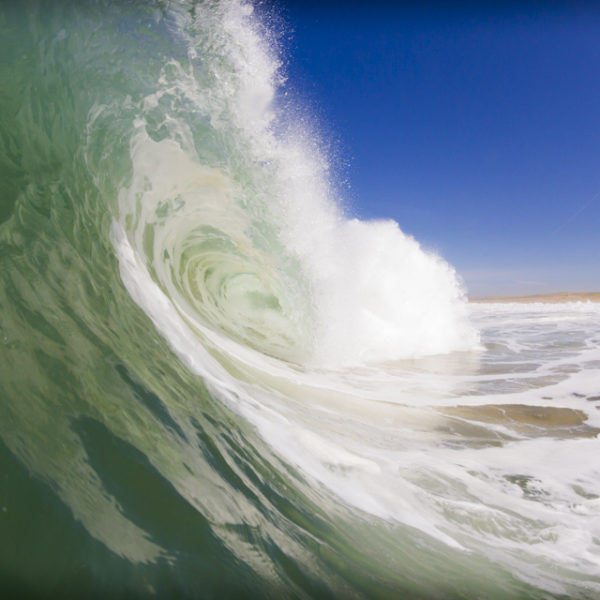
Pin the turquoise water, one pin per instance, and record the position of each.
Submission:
(215, 384)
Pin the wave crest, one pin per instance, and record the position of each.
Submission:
(238, 225)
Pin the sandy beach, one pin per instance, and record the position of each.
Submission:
(546, 298)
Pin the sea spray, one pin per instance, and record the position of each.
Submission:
(248, 240)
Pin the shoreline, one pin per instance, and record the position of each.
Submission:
(556, 298)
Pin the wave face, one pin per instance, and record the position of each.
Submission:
(216, 384)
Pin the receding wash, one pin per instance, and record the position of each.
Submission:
(216, 383)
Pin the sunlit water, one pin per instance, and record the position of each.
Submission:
(214, 384)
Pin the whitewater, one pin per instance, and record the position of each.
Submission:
(215, 382)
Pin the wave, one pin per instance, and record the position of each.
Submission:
(237, 223)
(213, 378)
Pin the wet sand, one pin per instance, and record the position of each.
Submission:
(546, 298)
(534, 421)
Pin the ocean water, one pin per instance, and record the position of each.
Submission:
(214, 383)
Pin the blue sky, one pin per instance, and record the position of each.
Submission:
(476, 127)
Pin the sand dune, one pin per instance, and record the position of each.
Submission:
(547, 298)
